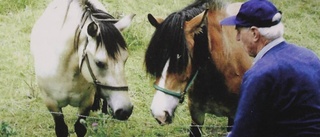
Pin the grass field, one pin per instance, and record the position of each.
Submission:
(23, 114)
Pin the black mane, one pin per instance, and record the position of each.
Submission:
(109, 35)
(168, 42)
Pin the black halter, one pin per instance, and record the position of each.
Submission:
(95, 80)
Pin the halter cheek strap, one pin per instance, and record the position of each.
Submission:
(94, 78)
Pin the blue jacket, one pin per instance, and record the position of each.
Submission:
(280, 95)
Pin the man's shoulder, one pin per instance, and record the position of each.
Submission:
(290, 48)
(287, 52)
(285, 57)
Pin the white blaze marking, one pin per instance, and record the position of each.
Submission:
(162, 80)
(162, 102)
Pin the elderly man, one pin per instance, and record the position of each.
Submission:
(280, 94)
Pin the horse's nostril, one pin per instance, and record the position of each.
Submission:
(168, 117)
(122, 114)
(164, 119)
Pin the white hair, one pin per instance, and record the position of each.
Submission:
(272, 32)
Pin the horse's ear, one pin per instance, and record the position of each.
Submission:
(155, 22)
(92, 29)
(124, 22)
(195, 23)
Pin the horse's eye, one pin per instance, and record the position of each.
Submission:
(100, 64)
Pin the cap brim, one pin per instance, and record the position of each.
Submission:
(230, 21)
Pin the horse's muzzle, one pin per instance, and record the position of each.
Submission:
(123, 114)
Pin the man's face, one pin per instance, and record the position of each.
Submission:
(246, 36)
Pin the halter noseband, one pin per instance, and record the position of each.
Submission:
(180, 95)
(84, 57)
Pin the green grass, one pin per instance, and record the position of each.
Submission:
(22, 112)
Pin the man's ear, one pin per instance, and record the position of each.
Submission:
(255, 33)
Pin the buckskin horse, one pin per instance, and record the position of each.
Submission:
(79, 53)
(190, 53)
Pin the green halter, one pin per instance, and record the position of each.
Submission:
(176, 94)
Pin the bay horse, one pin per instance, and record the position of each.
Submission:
(79, 54)
(190, 53)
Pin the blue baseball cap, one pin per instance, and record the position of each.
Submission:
(259, 13)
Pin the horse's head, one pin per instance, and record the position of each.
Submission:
(169, 58)
(102, 56)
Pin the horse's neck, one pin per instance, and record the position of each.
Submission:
(58, 26)
(219, 38)
(229, 56)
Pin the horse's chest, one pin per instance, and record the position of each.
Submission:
(217, 104)
(73, 97)
(219, 109)
(66, 90)
(77, 96)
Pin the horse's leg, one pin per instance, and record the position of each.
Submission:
(79, 127)
(197, 117)
(97, 101)
(60, 126)
(230, 124)
(104, 106)
(83, 111)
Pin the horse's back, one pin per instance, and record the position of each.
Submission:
(49, 39)
(48, 29)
